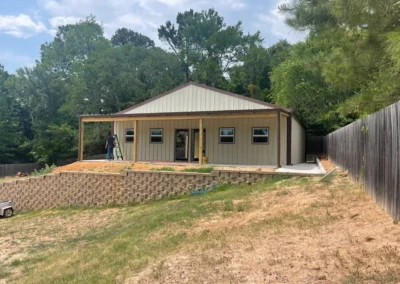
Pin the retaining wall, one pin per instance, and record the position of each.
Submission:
(89, 189)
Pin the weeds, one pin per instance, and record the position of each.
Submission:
(163, 169)
(205, 170)
(46, 170)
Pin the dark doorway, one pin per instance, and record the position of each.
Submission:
(195, 144)
(181, 145)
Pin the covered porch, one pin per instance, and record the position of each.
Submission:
(250, 138)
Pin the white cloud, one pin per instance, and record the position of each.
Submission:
(274, 23)
(144, 16)
(234, 4)
(21, 26)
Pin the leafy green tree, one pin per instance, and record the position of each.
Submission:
(125, 36)
(205, 45)
(351, 55)
(11, 137)
(252, 78)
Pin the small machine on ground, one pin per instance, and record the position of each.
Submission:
(6, 209)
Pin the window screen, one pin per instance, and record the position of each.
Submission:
(156, 135)
(260, 135)
(227, 135)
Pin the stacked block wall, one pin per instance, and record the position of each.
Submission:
(90, 189)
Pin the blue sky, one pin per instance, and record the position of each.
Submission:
(26, 24)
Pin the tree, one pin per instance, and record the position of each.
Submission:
(349, 58)
(253, 78)
(205, 45)
(10, 127)
(124, 36)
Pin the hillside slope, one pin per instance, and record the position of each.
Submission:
(287, 230)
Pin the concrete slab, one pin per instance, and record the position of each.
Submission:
(304, 168)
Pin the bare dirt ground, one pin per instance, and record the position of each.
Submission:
(115, 167)
(318, 234)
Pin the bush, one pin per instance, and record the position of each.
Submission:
(46, 170)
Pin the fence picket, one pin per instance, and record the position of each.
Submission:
(369, 150)
(12, 169)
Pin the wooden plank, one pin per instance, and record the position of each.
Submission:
(369, 149)
(278, 162)
(183, 117)
(81, 140)
(135, 129)
(201, 141)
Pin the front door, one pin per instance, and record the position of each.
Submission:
(182, 145)
(195, 144)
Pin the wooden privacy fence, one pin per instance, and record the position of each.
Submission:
(369, 150)
(12, 169)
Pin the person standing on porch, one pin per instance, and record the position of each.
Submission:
(110, 146)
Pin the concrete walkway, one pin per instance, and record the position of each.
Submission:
(304, 168)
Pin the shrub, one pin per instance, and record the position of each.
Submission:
(46, 170)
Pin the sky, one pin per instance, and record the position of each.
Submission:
(26, 24)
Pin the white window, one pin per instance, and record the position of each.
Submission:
(260, 135)
(227, 135)
(129, 135)
(156, 135)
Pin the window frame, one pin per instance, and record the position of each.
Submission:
(133, 136)
(220, 136)
(252, 136)
(162, 135)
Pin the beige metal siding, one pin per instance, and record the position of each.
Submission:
(298, 142)
(161, 152)
(283, 140)
(196, 99)
(127, 148)
(243, 152)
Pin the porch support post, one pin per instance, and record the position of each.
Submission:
(135, 136)
(200, 141)
(81, 134)
(278, 162)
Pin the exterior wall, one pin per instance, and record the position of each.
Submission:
(243, 152)
(298, 142)
(89, 189)
(283, 140)
(192, 99)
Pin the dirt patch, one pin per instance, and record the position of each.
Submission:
(331, 234)
(117, 167)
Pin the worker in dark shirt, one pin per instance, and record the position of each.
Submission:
(110, 146)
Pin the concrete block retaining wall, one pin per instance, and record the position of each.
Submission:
(90, 189)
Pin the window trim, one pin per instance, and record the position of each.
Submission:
(234, 135)
(133, 136)
(252, 136)
(162, 135)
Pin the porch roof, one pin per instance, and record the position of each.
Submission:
(184, 115)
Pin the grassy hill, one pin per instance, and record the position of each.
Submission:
(293, 230)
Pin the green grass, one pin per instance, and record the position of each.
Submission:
(205, 170)
(163, 169)
(125, 245)
(137, 236)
